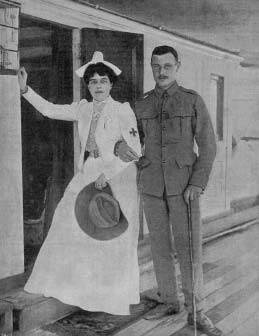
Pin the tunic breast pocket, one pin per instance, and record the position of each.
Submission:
(179, 126)
(151, 127)
(174, 128)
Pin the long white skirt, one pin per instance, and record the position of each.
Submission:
(81, 271)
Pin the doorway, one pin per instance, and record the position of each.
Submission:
(47, 145)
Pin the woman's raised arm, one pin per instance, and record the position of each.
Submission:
(67, 112)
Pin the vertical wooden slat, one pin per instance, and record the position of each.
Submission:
(76, 48)
(134, 75)
(134, 99)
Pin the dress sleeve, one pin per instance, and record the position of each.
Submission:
(50, 110)
(129, 129)
(128, 132)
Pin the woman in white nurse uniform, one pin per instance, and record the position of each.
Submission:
(72, 266)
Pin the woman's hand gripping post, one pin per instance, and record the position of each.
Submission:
(22, 80)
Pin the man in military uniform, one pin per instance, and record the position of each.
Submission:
(171, 179)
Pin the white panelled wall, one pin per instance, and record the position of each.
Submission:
(11, 206)
(245, 116)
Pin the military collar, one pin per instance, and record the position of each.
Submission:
(170, 91)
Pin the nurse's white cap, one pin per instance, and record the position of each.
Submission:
(97, 58)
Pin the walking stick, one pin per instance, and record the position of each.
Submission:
(192, 266)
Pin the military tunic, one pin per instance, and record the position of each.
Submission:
(168, 123)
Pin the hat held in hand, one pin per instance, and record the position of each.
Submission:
(98, 213)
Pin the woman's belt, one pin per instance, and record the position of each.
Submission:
(94, 153)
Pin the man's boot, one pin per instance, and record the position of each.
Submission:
(163, 310)
(204, 324)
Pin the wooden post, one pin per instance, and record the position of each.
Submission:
(76, 49)
(11, 198)
(6, 318)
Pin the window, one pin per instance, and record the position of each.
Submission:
(217, 104)
(9, 22)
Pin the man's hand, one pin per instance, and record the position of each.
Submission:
(22, 78)
(126, 153)
(191, 193)
(101, 182)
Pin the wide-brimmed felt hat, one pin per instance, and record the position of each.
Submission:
(98, 213)
(97, 58)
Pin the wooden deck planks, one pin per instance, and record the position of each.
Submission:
(225, 299)
(235, 254)
(233, 302)
(221, 294)
(232, 312)
(231, 287)
(241, 313)
(222, 273)
(162, 327)
(234, 245)
(233, 273)
(250, 327)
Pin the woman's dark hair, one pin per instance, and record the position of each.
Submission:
(164, 49)
(102, 70)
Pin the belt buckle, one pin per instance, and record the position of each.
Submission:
(96, 154)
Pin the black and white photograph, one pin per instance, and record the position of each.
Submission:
(129, 168)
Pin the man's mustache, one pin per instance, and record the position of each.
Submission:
(162, 77)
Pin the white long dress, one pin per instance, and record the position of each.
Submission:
(72, 266)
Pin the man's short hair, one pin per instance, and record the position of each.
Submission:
(164, 49)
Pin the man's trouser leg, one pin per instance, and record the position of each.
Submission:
(179, 219)
(157, 217)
